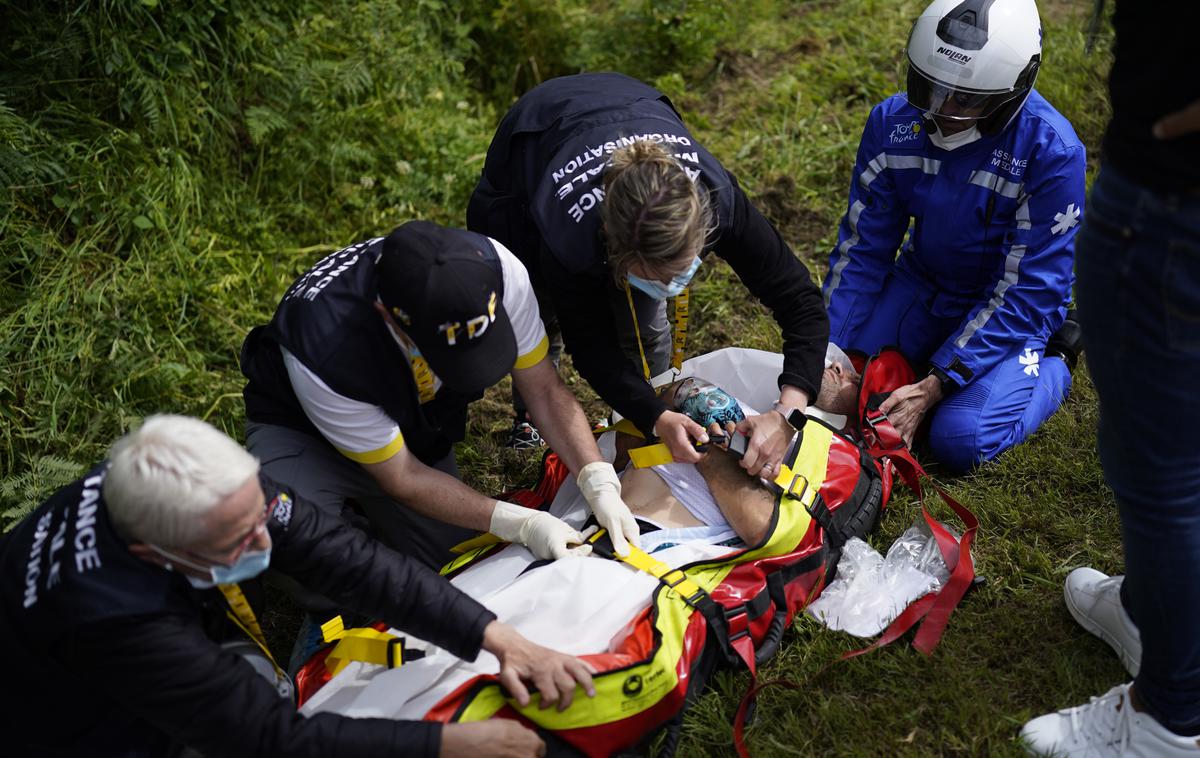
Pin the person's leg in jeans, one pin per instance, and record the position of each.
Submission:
(1138, 286)
(1139, 295)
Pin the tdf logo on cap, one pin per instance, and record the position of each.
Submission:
(475, 327)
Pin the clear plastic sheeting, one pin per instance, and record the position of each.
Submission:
(870, 591)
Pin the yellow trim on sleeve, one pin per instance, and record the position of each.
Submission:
(376, 456)
(534, 356)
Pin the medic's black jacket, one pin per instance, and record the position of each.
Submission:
(106, 654)
(539, 196)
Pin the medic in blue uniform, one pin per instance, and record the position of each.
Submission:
(992, 178)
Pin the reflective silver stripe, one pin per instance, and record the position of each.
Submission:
(1022, 216)
(835, 273)
(996, 183)
(876, 166)
(1012, 265)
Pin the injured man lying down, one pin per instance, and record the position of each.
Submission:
(687, 513)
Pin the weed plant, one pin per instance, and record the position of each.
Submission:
(167, 171)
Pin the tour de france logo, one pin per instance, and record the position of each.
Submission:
(905, 132)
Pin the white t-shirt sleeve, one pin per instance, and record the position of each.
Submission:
(360, 431)
(521, 306)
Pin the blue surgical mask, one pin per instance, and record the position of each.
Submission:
(660, 291)
(249, 564)
(705, 403)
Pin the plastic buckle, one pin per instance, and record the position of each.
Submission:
(681, 578)
(874, 421)
(790, 490)
(694, 600)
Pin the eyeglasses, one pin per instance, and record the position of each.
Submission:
(230, 556)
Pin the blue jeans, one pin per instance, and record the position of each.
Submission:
(1138, 287)
(999, 408)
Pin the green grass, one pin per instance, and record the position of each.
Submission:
(168, 173)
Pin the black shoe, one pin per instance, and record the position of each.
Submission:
(1067, 342)
(523, 436)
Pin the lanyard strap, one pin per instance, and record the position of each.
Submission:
(637, 332)
(242, 615)
(423, 376)
(678, 329)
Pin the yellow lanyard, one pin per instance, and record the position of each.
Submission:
(242, 615)
(678, 329)
(679, 332)
(423, 376)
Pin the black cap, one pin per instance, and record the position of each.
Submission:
(444, 292)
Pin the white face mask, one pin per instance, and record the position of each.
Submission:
(965, 137)
(660, 291)
(249, 564)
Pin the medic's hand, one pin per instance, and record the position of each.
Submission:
(907, 406)
(602, 489)
(679, 433)
(499, 737)
(1179, 123)
(770, 434)
(521, 661)
(546, 536)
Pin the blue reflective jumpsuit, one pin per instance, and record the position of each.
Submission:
(982, 279)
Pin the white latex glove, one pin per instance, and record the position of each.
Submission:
(602, 489)
(544, 535)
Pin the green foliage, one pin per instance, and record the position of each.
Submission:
(28, 489)
(167, 169)
(648, 39)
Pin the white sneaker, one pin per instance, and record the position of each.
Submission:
(1106, 726)
(1094, 600)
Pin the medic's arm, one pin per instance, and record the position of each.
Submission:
(868, 237)
(589, 332)
(766, 265)
(329, 556)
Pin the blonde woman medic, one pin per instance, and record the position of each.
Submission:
(594, 182)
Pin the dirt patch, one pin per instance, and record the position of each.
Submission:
(780, 202)
(735, 71)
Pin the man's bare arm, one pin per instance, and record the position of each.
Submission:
(746, 503)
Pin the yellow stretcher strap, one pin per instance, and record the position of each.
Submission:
(674, 579)
(242, 614)
(478, 541)
(360, 644)
(624, 425)
(650, 455)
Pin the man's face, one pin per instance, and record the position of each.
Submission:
(839, 390)
(237, 524)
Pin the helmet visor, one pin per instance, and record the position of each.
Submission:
(955, 103)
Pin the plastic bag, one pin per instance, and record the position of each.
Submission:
(870, 590)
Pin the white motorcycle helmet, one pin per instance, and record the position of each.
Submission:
(974, 60)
